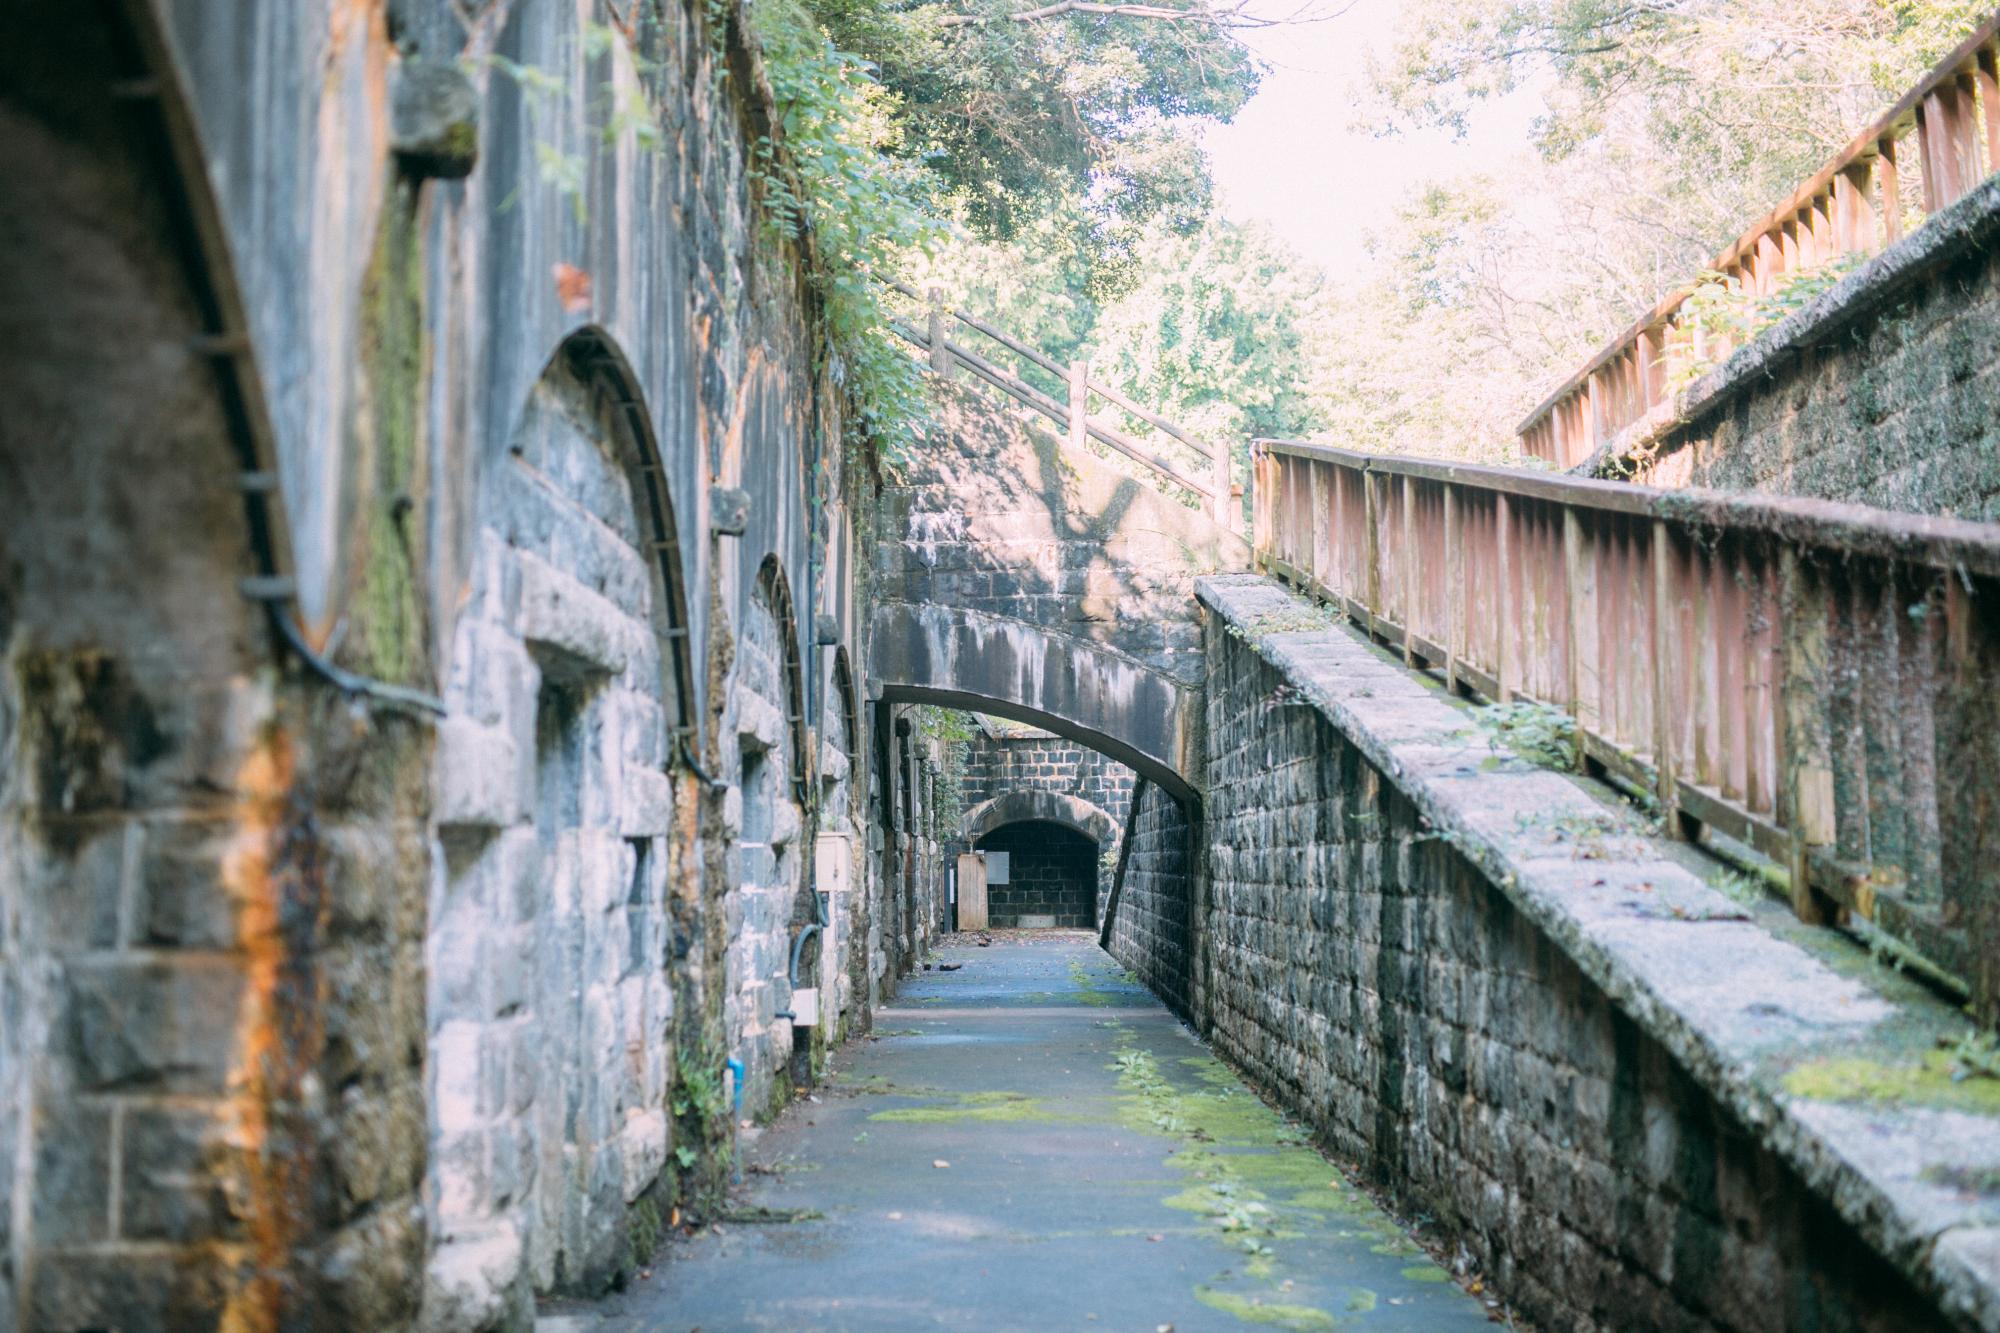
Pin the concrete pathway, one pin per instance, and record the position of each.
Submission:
(1033, 1142)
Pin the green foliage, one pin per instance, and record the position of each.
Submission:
(1974, 1054)
(827, 181)
(1091, 113)
(1720, 309)
(1537, 732)
(1219, 333)
(953, 731)
(700, 1103)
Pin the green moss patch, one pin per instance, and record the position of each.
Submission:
(1927, 1083)
(1272, 1314)
(984, 1107)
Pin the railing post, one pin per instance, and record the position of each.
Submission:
(1805, 766)
(1224, 506)
(940, 353)
(1371, 562)
(1987, 73)
(1409, 558)
(1504, 668)
(1079, 404)
(1454, 601)
(1662, 648)
(1890, 177)
(1580, 585)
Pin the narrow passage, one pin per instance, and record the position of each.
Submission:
(1032, 1141)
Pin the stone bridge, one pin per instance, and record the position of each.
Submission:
(1023, 578)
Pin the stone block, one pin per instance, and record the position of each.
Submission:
(70, 880)
(181, 900)
(478, 776)
(645, 803)
(478, 1280)
(178, 1175)
(569, 628)
(70, 1199)
(133, 1291)
(153, 1023)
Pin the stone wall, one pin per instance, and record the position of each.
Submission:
(212, 870)
(1521, 1017)
(1885, 391)
(402, 779)
(1003, 760)
(1153, 923)
(771, 903)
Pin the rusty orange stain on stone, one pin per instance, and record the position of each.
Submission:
(271, 874)
(572, 288)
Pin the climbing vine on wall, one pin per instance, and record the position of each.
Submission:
(825, 180)
(953, 731)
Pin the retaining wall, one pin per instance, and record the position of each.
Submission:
(1631, 1097)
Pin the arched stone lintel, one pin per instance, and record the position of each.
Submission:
(1009, 668)
(1034, 803)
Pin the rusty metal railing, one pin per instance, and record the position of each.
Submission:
(1819, 682)
(1853, 205)
(1218, 491)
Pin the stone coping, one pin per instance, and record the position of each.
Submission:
(1831, 1060)
(1968, 226)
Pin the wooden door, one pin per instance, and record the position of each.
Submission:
(971, 891)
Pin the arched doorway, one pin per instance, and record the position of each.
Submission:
(1050, 877)
(551, 942)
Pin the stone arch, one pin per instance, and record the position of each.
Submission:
(599, 356)
(841, 741)
(1031, 804)
(1136, 714)
(568, 688)
(771, 738)
(776, 591)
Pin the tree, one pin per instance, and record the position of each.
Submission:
(1020, 114)
(1669, 126)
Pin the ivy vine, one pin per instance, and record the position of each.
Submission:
(824, 178)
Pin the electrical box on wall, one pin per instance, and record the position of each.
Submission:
(833, 875)
(833, 862)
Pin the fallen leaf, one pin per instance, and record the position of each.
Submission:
(1156, 1238)
(940, 1163)
(895, 1217)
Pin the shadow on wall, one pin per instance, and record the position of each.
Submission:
(1021, 580)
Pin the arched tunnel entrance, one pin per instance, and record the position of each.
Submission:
(1040, 874)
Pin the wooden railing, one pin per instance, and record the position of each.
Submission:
(1818, 682)
(1853, 205)
(1217, 491)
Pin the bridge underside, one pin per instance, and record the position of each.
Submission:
(1008, 668)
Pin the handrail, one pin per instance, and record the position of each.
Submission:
(1219, 491)
(1819, 682)
(1851, 205)
(1029, 396)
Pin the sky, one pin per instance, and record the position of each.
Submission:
(1293, 155)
